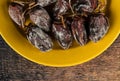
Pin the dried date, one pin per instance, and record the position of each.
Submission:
(40, 17)
(79, 31)
(60, 8)
(16, 13)
(62, 34)
(39, 39)
(98, 26)
(44, 3)
(69, 21)
(85, 6)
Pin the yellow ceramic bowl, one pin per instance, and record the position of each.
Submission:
(58, 57)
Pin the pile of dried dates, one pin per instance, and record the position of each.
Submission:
(62, 20)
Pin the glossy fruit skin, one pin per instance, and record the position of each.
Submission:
(79, 31)
(40, 17)
(98, 26)
(62, 34)
(39, 38)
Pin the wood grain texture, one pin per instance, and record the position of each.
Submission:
(105, 67)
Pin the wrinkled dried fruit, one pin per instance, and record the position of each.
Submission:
(81, 6)
(79, 31)
(44, 3)
(62, 19)
(61, 8)
(98, 26)
(62, 35)
(39, 38)
(40, 17)
(16, 13)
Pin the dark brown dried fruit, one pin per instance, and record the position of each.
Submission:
(69, 19)
(44, 3)
(79, 31)
(40, 17)
(98, 26)
(16, 13)
(61, 8)
(81, 6)
(39, 39)
(62, 34)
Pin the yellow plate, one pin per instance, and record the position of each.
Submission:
(58, 57)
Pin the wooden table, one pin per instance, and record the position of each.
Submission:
(105, 67)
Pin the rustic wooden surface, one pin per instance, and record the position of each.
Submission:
(105, 67)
